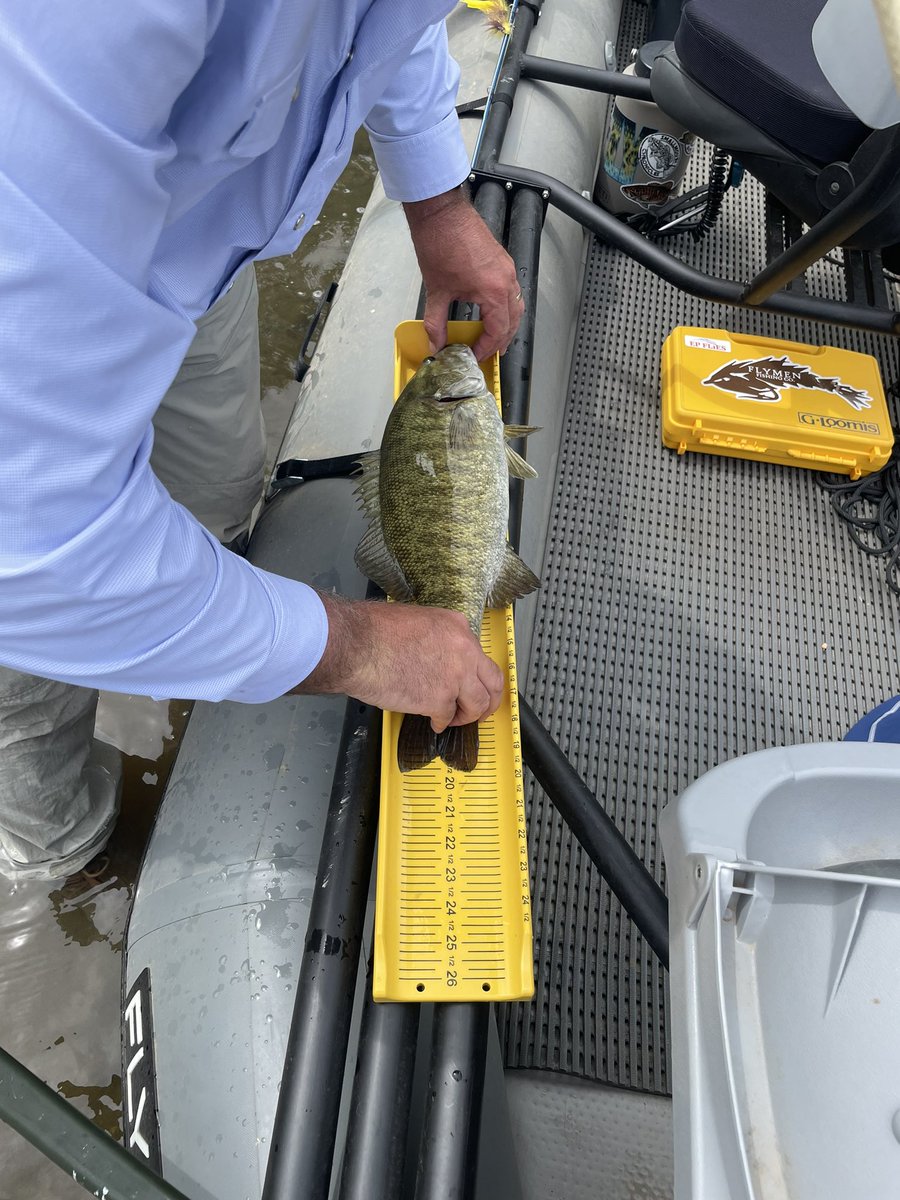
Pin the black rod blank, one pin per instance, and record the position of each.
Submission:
(525, 223)
(69, 1139)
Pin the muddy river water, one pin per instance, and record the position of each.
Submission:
(61, 944)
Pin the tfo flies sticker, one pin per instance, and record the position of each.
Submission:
(705, 343)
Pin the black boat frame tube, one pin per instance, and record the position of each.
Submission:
(449, 1150)
(491, 204)
(375, 1153)
(592, 79)
(74, 1143)
(708, 287)
(448, 1147)
(640, 894)
(879, 188)
(870, 197)
(303, 1136)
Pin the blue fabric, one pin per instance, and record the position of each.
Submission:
(757, 57)
(882, 724)
(147, 151)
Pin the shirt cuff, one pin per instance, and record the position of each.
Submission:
(300, 633)
(424, 165)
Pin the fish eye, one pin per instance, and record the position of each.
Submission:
(427, 360)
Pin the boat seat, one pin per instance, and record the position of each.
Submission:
(757, 57)
(743, 75)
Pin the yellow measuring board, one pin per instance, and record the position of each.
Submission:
(452, 905)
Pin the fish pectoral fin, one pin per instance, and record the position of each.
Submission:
(517, 465)
(375, 560)
(516, 579)
(372, 555)
(516, 431)
(463, 433)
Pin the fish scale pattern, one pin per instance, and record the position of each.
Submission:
(693, 608)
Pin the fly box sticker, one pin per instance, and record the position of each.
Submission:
(748, 397)
(766, 379)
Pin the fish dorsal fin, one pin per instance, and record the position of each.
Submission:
(515, 580)
(368, 482)
(510, 432)
(372, 555)
(517, 465)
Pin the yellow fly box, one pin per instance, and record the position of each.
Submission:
(753, 397)
(452, 899)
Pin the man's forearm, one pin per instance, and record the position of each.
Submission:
(405, 658)
(460, 259)
(418, 211)
(348, 640)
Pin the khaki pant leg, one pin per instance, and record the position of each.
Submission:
(59, 791)
(210, 447)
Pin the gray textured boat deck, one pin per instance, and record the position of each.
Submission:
(693, 608)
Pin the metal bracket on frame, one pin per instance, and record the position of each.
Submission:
(477, 178)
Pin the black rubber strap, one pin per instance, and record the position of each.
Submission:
(471, 107)
(303, 470)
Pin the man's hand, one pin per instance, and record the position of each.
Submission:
(408, 659)
(460, 259)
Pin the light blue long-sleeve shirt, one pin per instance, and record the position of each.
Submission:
(148, 149)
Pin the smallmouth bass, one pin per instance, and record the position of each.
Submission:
(437, 499)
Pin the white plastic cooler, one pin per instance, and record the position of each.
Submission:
(784, 884)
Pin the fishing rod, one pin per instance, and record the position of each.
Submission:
(69, 1139)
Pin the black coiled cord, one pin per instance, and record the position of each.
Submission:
(871, 509)
(719, 171)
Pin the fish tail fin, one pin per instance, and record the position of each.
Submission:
(459, 747)
(417, 743)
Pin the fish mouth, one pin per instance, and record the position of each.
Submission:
(459, 390)
(457, 394)
(454, 374)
